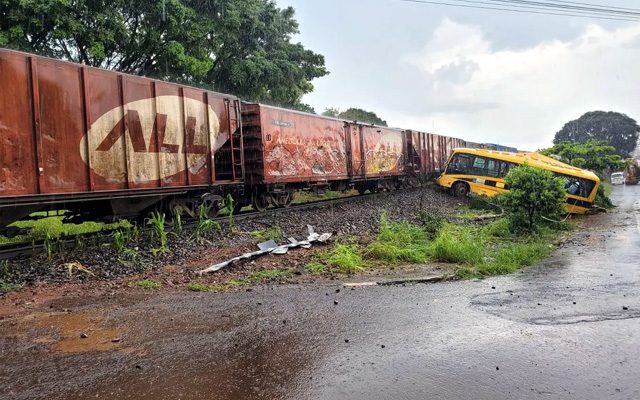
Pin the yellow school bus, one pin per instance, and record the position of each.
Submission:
(482, 172)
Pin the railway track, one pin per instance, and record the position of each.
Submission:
(16, 250)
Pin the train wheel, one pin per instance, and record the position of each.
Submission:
(282, 200)
(237, 207)
(260, 201)
(460, 189)
(211, 206)
(182, 207)
(288, 200)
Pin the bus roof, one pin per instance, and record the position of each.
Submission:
(533, 159)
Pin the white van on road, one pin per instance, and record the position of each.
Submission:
(617, 178)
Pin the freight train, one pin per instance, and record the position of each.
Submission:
(103, 145)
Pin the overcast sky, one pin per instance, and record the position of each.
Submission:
(485, 76)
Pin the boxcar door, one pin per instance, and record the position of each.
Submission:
(356, 150)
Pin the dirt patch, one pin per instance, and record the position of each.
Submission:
(71, 331)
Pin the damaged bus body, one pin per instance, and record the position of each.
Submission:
(483, 172)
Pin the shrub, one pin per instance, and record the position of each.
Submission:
(533, 193)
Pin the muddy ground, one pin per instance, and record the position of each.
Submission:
(564, 329)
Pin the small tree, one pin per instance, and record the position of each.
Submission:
(533, 193)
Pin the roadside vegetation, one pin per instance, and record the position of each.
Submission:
(498, 244)
(53, 228)
(477, 250)
(147, 284)
(308, 196)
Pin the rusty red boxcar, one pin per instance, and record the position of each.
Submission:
(428, 152)
(70, 132)
(104, 145)
(287, 150)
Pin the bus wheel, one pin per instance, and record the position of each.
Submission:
(460, 189)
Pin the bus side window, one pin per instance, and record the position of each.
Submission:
(492, 168)
(478, 166)
(505, 167)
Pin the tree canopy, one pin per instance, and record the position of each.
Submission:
(242, 47)
(355, 114)
(594, 155)
(617, 129)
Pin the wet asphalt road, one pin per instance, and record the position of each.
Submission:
(566, 329)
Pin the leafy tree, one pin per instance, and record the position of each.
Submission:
(331, 112)
(236, 46)
(533, 193)
(155, 38)
(253, 54)
(594, 155)
(355, 114)
(614, 128)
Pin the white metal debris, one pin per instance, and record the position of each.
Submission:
(271, 247)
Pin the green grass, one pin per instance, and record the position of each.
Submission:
(469, 214)
(308, 196)
(607, 188)
(458, 244)
(398, 242)
(271, 233)
(231, 283)
(497, 229)
(315, 268)
(157, 223)
(343, 258)
(6, 287)
(53, 227)
(508, 259)
(147, 284)
(198, 287)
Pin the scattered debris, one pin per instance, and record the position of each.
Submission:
(83, 335)
(70, 267)
(271, 247)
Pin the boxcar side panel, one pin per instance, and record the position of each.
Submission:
(140, 121)
(17, 141)
(61, 127)
(384, 152)
(301, 147)
(108, 168)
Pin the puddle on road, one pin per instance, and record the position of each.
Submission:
(62, 332)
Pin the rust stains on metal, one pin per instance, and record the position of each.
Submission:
(69, 128)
